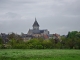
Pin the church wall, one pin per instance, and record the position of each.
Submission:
(46, 32)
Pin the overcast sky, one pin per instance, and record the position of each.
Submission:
(58, 16)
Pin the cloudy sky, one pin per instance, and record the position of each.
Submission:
(58, 16)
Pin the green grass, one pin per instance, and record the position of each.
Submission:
(33, 54)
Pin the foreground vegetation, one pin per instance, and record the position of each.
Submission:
(70, 41)
(33, 54)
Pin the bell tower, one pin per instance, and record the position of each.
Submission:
(35, 25)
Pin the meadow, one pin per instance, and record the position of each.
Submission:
(42, 54)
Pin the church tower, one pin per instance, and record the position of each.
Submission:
(35, 25)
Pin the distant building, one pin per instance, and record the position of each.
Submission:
(4, 37)
(36, 32)
(26, 37)
(55, 36)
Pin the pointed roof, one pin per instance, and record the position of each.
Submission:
(35, 23)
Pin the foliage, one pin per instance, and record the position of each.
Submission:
(71, 41)
(0, 40)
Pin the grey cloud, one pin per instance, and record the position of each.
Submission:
(58, 16)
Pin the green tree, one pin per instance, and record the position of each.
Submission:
(0, 40)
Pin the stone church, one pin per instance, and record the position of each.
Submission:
(36, 32)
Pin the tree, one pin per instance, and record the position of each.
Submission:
(0, 40)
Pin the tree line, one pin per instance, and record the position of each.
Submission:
(70, 41)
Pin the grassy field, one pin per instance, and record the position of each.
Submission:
(33, 54)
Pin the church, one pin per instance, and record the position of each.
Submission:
(36, 32)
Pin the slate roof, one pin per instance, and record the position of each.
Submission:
(37, 31)
(35, 23)
(50, 35)
(41, 31)
(25, 35)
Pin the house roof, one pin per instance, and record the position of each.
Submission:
(25, 35)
